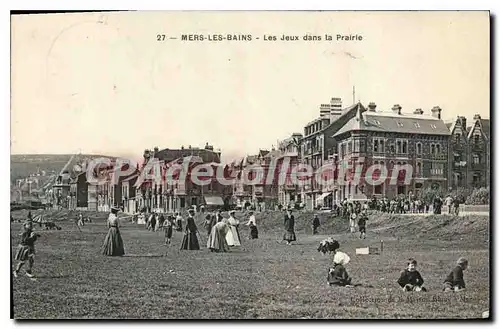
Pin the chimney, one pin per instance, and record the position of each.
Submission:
(477, 117)
(396, 109)
(436, 112)
(418, 111)
(335, 106)
(324, 110)
(372, 106)
(463, 122)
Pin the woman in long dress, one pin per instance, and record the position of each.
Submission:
(289, 235)
(254, 233)
(190, 240)
(217, 240)
(233, 236)
(113, 243)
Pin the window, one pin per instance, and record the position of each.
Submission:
(437, 169)
(378, 189)
(457, 138)
(433, 149)
(402, 146)
(378, 145)
(392, 148)
(476, 139)
(356, 146)
(438, 149)
(476, 159)
(349, 147)
(419, 148)
(419, 169)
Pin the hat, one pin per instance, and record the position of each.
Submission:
(341, 258)
(462, 261)
(232, 212)
(191, 211)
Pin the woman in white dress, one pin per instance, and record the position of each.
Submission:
(233, 235)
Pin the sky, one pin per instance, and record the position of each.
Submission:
(103, 84)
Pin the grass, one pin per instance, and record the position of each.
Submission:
(261, 279)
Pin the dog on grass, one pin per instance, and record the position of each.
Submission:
(328, 246)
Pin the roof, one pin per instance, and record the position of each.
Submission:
(337, 117)
(397, 123)
(263, 153)
(484, 124)
(169, 155)
(273, 154)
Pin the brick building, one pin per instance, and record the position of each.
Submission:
(469, 158)
(395, 138)
(319, 147)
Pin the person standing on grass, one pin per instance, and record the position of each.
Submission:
(210, 221)
(233, 235)
(449, 203)
(167, 228)
(178, 222)
(315, 224)
(26, 250)
(252, 224)
(362, 218)
(113, 243)
(216, 241)
(456, 206)
(190, 240)
(289, 235)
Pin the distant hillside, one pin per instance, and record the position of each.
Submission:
(22, 165)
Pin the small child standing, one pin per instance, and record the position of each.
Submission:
(410, 279)
(26, 250)
(167, 227)
(455, 280)
(362, 218)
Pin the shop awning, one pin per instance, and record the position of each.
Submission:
(322, 196)
(214, 201)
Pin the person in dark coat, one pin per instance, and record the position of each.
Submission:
(337, 275)
(455, 280)
(456, 206)
(167, 225)
(437, 204)
(410, 279)
(190, 240)
(254, 233)
(315, 224)
(210, 221)
(362, 218)
(289, 235)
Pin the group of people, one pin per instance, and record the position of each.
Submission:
(409, 279)
(222, 232)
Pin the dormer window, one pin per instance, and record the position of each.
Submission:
(433, 126)
(417, 125)
(400, 124)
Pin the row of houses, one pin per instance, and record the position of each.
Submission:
(443, 155)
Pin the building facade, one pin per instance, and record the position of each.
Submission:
(394, 139)
(469, 157)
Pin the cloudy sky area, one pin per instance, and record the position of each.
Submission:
(103, 84)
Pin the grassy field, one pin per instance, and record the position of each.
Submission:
(261, 279)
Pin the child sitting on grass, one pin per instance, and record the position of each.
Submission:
(455, 280)
(410, 279)
(337, 276)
